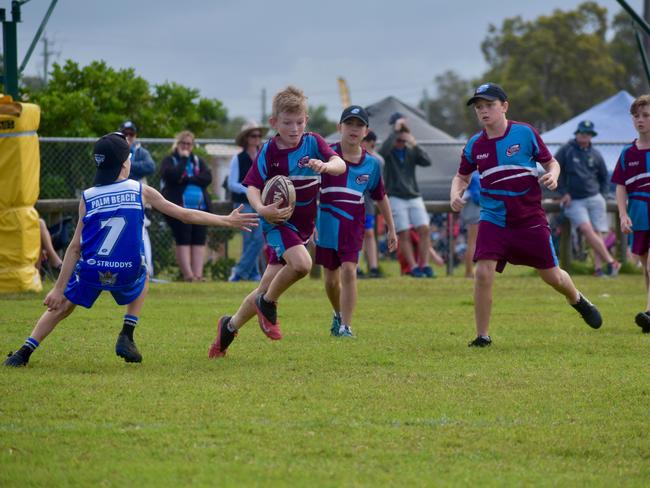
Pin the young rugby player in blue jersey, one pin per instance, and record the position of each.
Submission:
(107, 249)
(513, 227)
(632, 178)
(341, 217)
(302, 157)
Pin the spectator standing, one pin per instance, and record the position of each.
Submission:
(369, 238)
(184, 181)
(250, 140)
(401, 155)
(583, 184)
(142, 165)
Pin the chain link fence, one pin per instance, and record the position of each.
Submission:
(67, 169)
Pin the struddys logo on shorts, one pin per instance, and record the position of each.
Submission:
(303, 162)
(512, 150)
(361, 179)
(99, 159)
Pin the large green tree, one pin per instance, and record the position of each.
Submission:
(623, 49)
(318, 121)
(92, 100)
(448, 111)
(553, 66)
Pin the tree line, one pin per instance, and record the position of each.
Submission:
(552, 67)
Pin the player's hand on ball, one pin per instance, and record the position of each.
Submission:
(54, 300)
(626, 224)
(457, 204)
(243, 221)
(317, 165)
(549, 180)
(274, 214)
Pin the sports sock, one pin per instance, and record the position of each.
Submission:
(130, 321)
(231, 327)
(28, 347)
(486, 337)
(337, 315)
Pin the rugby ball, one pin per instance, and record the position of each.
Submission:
(279, 188)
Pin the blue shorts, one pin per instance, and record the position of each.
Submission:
(81, 293)
(280, 238)
(370, 222)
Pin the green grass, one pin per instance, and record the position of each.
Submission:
(552, 403)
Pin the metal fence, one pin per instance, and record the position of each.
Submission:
(67, 169)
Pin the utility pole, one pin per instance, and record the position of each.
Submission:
(263, 121)
(46, 58)
(10, 47)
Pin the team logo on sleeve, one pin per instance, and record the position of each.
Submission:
(108, 278)
(361, 179)
(512, 150)
(303, 162)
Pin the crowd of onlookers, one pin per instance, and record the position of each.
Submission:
(583, 188)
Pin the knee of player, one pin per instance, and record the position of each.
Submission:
(302, 266)
(483, 275)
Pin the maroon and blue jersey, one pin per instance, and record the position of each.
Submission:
(341, 211)
(272, 161)
(633, 171)
(510, 193)
(112, 245)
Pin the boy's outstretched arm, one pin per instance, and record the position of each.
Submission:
(621, 202)
(384, 207)
(55, 297)
(334, 166)
(243, 221)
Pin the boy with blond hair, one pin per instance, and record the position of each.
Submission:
(107, 250)
(302, 157)
(632, 178)
(341, 217)
(513, 227)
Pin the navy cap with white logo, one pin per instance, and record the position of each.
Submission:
(109, 155)
(488, 91)
(355, 112)
(586, 127)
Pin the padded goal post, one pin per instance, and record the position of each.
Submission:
(20, 239)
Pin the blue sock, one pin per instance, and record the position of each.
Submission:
(130, 321)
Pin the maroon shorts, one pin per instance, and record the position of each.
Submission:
(279, 239)
(640, 242)
(530, 247)
(332, 259)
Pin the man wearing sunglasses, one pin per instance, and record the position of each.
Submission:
(402, 155)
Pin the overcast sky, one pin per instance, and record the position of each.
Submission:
(232, 49)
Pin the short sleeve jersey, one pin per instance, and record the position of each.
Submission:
(341, 212)
(633, 171)
(272, 161)
(112, 246)
(510, 193)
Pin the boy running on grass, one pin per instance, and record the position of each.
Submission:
(341, 217)
(513, 227)
(107, 249)
(300, 156)
(632, 178)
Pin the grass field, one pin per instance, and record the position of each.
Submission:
(406, 403)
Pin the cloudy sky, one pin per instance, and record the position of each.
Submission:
(232, 49)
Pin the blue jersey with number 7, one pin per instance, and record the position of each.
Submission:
(112, 247)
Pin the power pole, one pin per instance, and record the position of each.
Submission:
(263, 121)
(46, 58)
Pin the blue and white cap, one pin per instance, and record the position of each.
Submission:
(488, 91)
